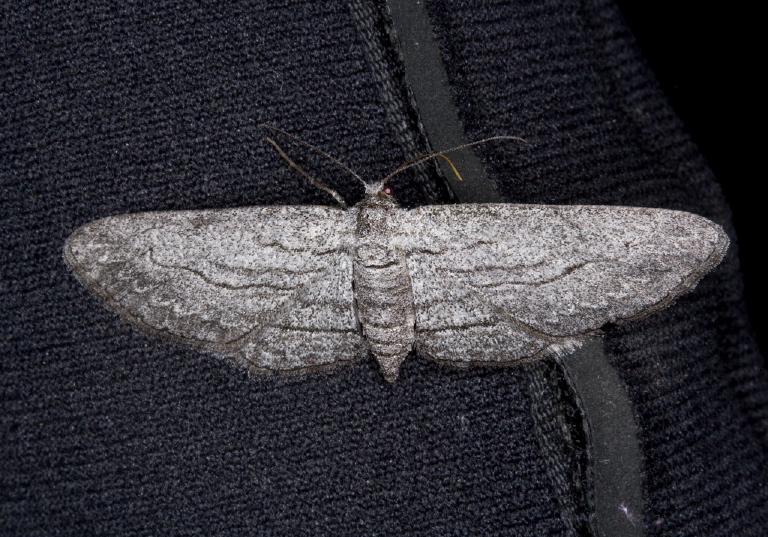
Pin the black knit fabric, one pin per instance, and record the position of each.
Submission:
(108, 109)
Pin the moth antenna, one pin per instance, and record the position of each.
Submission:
(450, 163)
(311, 179)
(429, 156)
(317, 150)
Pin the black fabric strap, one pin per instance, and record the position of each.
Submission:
(592, 383)
(425, 75)
(386, 66)
(612, 440)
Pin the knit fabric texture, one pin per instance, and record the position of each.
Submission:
(110, 108)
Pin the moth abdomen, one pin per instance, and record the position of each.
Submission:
(383, 292)
(385, 310)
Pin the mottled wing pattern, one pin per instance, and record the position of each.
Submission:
(503, 283)
(270, 287)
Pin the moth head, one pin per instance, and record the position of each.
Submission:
(378, 195)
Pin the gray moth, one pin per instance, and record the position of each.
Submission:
(306, 288)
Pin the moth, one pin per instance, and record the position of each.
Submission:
(305, 288)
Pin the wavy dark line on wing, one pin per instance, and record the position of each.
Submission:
(207, 280)
(506, 315)
(285, 308)
(295, 329)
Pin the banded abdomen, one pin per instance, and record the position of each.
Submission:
(383, 292)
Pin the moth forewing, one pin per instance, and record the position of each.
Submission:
(506, 283)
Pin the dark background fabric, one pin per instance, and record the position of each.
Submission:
(115, 108)
(703, 55)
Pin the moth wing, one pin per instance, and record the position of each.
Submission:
(506, 283)
(270, 287)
